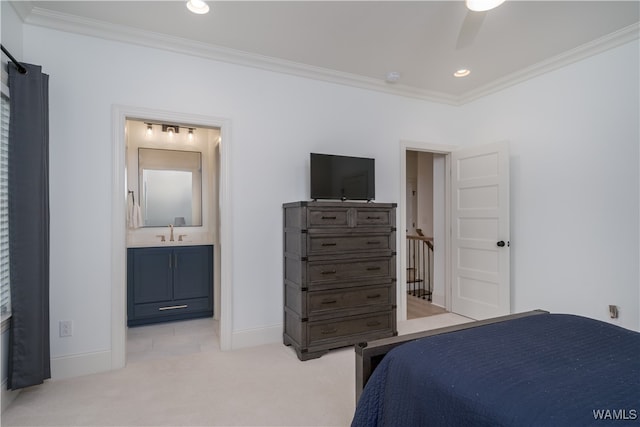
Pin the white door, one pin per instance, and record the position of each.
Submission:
(480, 231)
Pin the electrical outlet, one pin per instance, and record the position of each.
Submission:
(613, 311)
(66, 328)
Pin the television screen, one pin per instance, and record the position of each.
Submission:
(342, 178)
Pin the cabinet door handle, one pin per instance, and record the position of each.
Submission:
(373, 296)
(328, 244)
(373, 217)
(373, 242)
(373, 268)
(170, 256)
(329, 272)
(173, 307)
(329, 301)
(373, 323)
(329, 331)
(328, 217)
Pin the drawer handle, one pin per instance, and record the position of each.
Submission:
(373, 268)
(373, 323)
(373, 217)
(329, 272)
(328, 244)
(329, 301)
(373, 296)
(372, 242)
(173, 307)
(328, 217)
(329, 331)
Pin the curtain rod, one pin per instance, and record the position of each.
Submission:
(20, 67)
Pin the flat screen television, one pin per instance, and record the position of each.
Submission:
(342, 178)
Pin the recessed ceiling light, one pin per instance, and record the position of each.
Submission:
(483, 5)
(462, 72)
(198, 6)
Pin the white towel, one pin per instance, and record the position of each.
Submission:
(134, 215)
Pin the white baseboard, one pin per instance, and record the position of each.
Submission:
(80, 364)
(255, 337)
(7, 396)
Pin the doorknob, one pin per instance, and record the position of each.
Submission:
(500, 243)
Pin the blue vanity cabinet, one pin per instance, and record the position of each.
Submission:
(169, 283)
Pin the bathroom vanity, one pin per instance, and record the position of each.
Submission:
(169, 283)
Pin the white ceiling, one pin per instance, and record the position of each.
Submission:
(359, 42)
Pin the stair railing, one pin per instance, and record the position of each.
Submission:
(419, 271)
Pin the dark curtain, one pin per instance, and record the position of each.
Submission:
(29, 349)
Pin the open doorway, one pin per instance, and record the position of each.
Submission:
(424, 210)
(172, 180)
(471, 246)
(223, 256)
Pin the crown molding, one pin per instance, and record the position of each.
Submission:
(609, 41)
(100, 29)
(22, 8)
(89, 27)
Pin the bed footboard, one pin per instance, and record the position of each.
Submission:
(369, 354)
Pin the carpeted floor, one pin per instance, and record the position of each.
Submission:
(177, 375)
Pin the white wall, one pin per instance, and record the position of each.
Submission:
(10, 35)
(574, 142)
(574, 139)
(425, 193)
(276, 120)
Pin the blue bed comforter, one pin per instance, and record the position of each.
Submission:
(543, 370)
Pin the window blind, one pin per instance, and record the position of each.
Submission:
(5, 292)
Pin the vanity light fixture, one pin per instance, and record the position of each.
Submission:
(190, 135)
(149, 131)
(171, 129)
(483, 5)
(462, 72)
(198, 6)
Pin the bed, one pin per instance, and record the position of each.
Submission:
(528, 369)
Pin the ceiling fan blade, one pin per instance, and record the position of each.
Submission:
(470, 28)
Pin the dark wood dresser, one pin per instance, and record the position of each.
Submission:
(339, 274)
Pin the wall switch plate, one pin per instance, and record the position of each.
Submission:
(66, 328)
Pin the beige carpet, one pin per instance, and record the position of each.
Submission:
(176, 375)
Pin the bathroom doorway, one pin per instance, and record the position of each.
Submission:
(172, 203)
(180, 132)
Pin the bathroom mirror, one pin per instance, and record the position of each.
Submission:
(170, 187)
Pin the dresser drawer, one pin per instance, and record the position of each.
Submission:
(170, 308)
(333, 271)
(323, 302)
(374, 217)
(328, 244)
(330, 217)
(345, 327)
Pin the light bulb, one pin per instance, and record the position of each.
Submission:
(190, 135)
(149, 129)
(462, 72)
(198, 6)
(483, 5)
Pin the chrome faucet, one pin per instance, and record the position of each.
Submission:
(171, 233)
